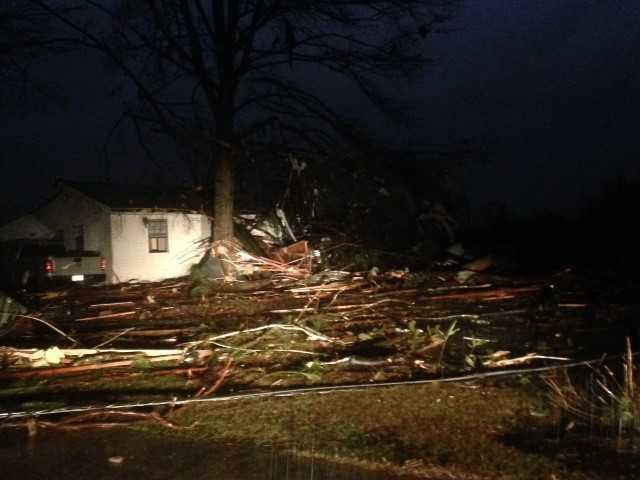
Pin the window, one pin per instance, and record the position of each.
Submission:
(158, 237)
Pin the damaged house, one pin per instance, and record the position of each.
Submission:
(142, 232)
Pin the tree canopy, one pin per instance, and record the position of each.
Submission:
(25, 36)
(221, 76)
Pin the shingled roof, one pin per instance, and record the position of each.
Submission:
(143, 197)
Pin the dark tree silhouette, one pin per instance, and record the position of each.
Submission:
(25, 36)
(216, 76)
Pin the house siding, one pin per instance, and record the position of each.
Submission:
(67, 210)
(70, 209)
(130, 245)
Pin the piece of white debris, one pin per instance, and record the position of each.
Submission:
(470, 269)
(53, 356)
(116, 460)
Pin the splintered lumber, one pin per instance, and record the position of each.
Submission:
(355, 306)
(494, 294)
(108, 315)
(244, 286)
(330, 287)
(81, 352)
(167, 332)
(520, 360)
(53, 358)
(312, 335)
(111, 304)
(74, 370)
(411, 291)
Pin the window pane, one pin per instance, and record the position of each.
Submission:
(158, 237)
(157, 227)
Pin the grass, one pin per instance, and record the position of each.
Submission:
(603, 402)
(487, 429)
(460, 430)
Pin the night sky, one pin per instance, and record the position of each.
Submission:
(549, 88)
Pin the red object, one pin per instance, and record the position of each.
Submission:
(49, 266)
(103, 264)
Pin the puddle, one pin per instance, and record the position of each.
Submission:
(124, 454)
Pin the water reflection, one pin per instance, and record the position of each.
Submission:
(121, 454)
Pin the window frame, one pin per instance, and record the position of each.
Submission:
(156, 235)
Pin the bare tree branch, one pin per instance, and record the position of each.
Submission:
(212, 75)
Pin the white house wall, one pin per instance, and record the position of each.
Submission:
(130, 243)
(68, 210)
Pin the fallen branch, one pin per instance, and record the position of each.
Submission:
(110, 315)
(111, 304)
(353, 307)
(520, 360)
(33, 353)
(307, 390)
(256, 350)
(306, 308)
(497, 294)
(115, 337)
(221, 378)
(161, 356)
(53, 327)
(406, 291)
(80, 422)
(329, 287)
(311, 334)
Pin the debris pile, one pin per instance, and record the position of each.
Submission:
(280, 322)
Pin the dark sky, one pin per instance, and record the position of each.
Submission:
(550, 88)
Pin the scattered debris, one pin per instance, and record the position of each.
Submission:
(476, 266)
(280, 324)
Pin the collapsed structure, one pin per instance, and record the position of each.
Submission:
(143, 232)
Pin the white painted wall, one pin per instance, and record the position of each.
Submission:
(70, 208)
(130, 245)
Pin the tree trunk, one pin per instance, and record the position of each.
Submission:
(223, 196)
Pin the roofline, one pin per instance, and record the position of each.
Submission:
(165, 210)
(66, 185)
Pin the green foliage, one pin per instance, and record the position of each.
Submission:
(141, 362)
(200, 290)
(314, 368)
(437, 332)
(198, 274)
(418, 338)
(317, 321)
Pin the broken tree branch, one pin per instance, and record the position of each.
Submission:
(53, 327)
